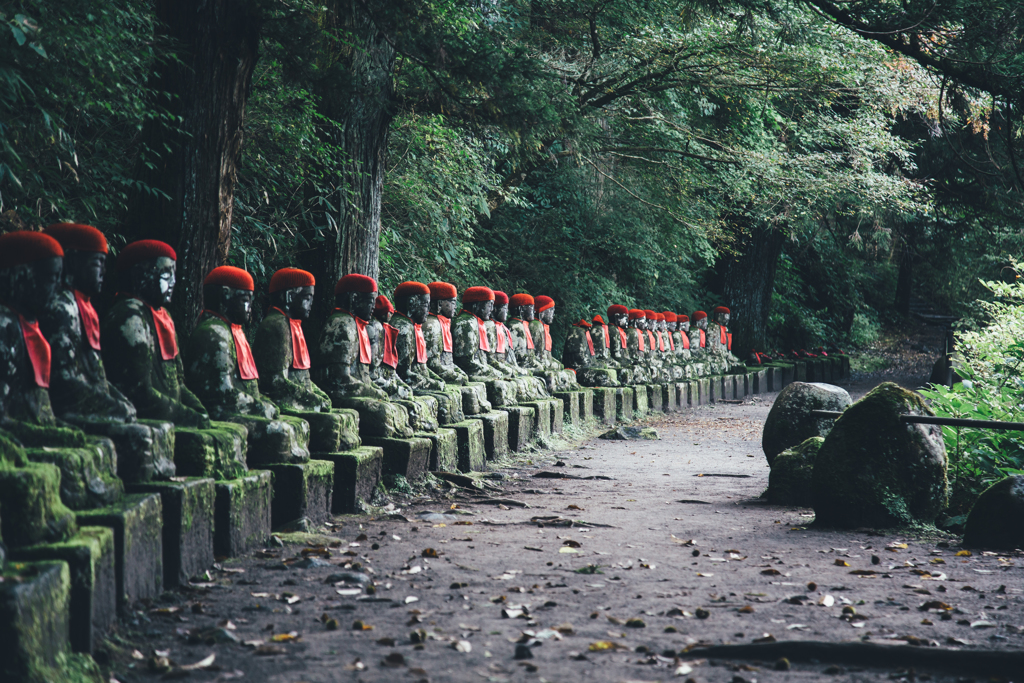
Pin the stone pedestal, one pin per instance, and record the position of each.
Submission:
(624, 404)
(331, 432)
(557, 415)
(407, 457)
(788, 375)
(216, 452)
(669, 397)
(34, 620)
(501, 393)
(242, 514)
(302, 490)
(93, 600)
(758, 381)
(682, 395)
(356, 475)
(444, 449)
(495, 433)
(570, 406)
(541, 418)
(654, 397)
(520, 426)
(472, 456)
(603, 404)
(137, 524)
(188, 510)
(88, 476)
(641, 406)
(474, 398)
(587, 406)
(800, 371)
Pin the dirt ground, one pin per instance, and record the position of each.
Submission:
(645, 549)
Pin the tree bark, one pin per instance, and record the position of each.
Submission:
(748, 279)
(193, 167)
(905, 278)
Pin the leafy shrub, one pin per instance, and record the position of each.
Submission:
(865, 329)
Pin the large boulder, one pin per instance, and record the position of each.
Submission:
(790, 422)
(875, 471)
(792, 472)
(997, 519)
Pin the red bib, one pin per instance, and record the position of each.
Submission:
(481, 330)
(390, 356)
(90, 321)
(421, 343)
(300, 353)
(622, 336)
(686, 339)
(243, 354)
(503, 344)
(364, 339)
(38, 351)
(590, 342)
(724, 339)
(529, 336)
(671, 342)
(446, 332)
(703, 339)
(661, 342)
(640, 337)
(547, 337)
(607, 339)
(730, 342)
(166, 340)
(650, 337)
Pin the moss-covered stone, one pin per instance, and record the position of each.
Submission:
(495, 433)
(88, 475)
(444, 449)
(603, 404)
(790, 421)
(356, 476)
(624, 404)
(406, 457)
(541, 419)
(378, 418)
(93, 600)
(31, 510)
(46, 436)
(474, 398)
(997, 518)
(557, 415)
(570, 406)
(422, 410)
(242, 515)
(137, 524)
(521, 420)
(472, 455)
(145, 448)
(302, 491)
(218, 452)
(285, 439)
(640, 405)
(790, 480)
(875, 471)
(34, 626)
(331, 431)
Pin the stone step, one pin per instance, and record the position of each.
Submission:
(218, 452)
(624, 400)
(640, 404)
(603, 404)
(495, 433)
(521, 420)
(557, 415)
(34, 620)
(470, 434)
(444, 449)
(188, 512)
(542, 418)
(242, 514)
(570, 406)
(302, 491)
(407, 457)
(356, 476)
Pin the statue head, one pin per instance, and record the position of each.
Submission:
(683, 322)
(545, 307)
(85, 256)
(636, 318)
(671, 321)
(228, 291)
(651, 321)
(500, 312)
(521, 306)
(356, 294)
(31, 265)
(383, 310)
(700, 320)
(291, 291)
(443, 299)
(721, 315)
(479, 301)
(147, 268)
(412, 299)
(618, 315)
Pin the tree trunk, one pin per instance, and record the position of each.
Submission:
(356, 100)
(193, 168)
(905, 278)
(748, 279)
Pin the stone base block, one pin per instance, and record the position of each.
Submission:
(93, 603)
(285, 439)
(495, 433)
(640, 404)
(422, 410)
(145, 449)
(557, 415)
(330, 432)
(88, 476)
(587, 406)
(31, 510)
(407, 457)
(597, 377)
(34, 621)
(472, 456)
(501, 393)
(218, 452)
(541, 418)
(378, 418)
(137, 524)
(444, 449)
(356, 475)
(241, 519)
(669, 397)
(474, 398)
(302, 491)
(624, 400)
(449, 405)
(785, 374)
(188, 511)
(800, 371)
(759, 381)
(570, 406)
(602, 402)
(520, 426)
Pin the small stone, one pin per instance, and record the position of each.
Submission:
(702, 613)
(523, 651)
(782, 664)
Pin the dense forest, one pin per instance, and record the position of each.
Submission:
(811, 164)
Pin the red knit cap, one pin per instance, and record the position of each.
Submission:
(439, 291)
(500, 298)
(19, 248)
(78, 236)
(143, 250)
(682, 318)
(544, 303)
(722, 309)
(290, 278)
(229, 276)
(699, 315)
(669, 316)
(598, 320)
(582, 323)
(616, 309)
(411, 289)
(651, 315)
(521, 300)
(356, 283)
(382, 304)
(477, 294)
(636, 314)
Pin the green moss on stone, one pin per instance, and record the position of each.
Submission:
(789, 482)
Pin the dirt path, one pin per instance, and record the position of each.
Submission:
(671, 546)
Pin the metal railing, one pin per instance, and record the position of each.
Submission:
(944, 421)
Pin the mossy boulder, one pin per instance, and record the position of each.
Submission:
(31, 510)
(997, 519)
(790, 421)
(875, 471)
(790, 480)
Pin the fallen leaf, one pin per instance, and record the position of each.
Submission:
(771, 572)
(574, 507)
(568, 551)
(201, 664)
(766, 638)
(572, 544)
(864, 572)
(935, 604)
(826, 601)
(394, 660)
(984, 624)
(267, 650)
(285, 637)
(462, 646)
(963, 553)
(411, 599)
(746, 609)
(359, 625)
(842, 563)
(603, 645)
(429, 552)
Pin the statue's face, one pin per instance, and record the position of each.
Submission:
(547, 316)
(446, 308)
(298, 302)
(418, 307)
(670, 326)
(482, 309)
(84, 270)
(362, 304)
(382, 314)
(236, 305)
(663, 325)
(500, 313)
(723, 319)
(702, 324)
(618, 319)
(33, 285)
(526, 312)
(154, 280)
(685, 326)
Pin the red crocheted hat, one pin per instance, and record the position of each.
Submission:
(669, 316)
(500, 298)
(721, 309)
(521, 300)
(651, 315)
(636, 313)
(355, 283)
(477, 294)
(411, 289)
(229, 276)
(682, 318)
(78, 236)
(144, 250)
(616, 309)
(442, 290)
(699, 315)
(19, 248)
(382, 304)
(582, 323)
(544, 303)
(598, 320)
(290, 278)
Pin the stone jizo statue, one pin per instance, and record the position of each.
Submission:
(503, 356)
(540, 328)
(580, 354)
(383, 341)
(472, 346)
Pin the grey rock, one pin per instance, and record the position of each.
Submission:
(790, 421)
(631, 433)
(997, 518)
